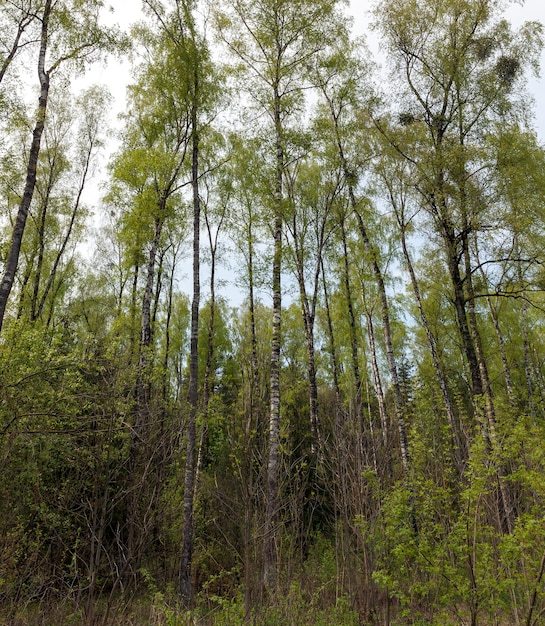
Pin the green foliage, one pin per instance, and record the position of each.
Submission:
(444, 561)
(92, 505)
(60, 453)
(292, 610)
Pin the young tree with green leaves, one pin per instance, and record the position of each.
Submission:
(461, 64)
(188, 46)
(274, 40)
(70, 147)
(69, 34)
(16, 19)
(342, 79)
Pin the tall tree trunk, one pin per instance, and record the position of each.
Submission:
(60, 253)
(358, 408)
(42, 215)
(458, 447)
(133, 310)
(315, 443)
(273, 468)
(29, 266)
(390, 357)
(490, 411)
(377, 382)
(166, 355)
(500, 338)
(208, 370)
(12, 261)
(189, 481)
(332, 346)
(139, 453)
(505, 512)
(453, 256)
(527, 359)
(144, 356)
(254, 414)
(372, 255)
(308, 322)
(501, 346)
(308, 310)
(158, 288)
(253, 331)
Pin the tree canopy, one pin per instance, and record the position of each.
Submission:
(286, 365)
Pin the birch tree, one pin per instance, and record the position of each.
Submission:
(274, 40)
(68, 35)
(461, 65)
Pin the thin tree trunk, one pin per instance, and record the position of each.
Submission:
(186, 560)
(527, 361)
(166, 356)
(332, 345)
(535, 594)
(308, 323)
(390, 357)
(501, 343)
(358, 409)
(41, 242)
(457, 444)
(526, 344)
(377, 382)
(315, 443)
(273, 469)
(22, 25)
(208, 375)
(144, 357)
(56, 290)
(139, 454)
(12, 261)
(60, 253)
(134, 292)
(308, 309)
(29, 266)
(370, 251)
(505, 501)
(253, 330)
(251, 425)
(158, 288)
